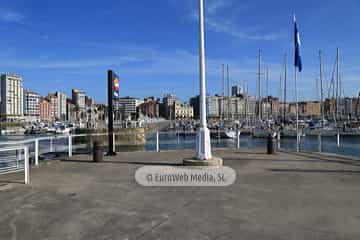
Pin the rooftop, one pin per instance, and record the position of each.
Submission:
(28, 91)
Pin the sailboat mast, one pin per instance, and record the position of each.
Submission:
(228, 92)
(321, 91)
(317, 89)
(278, 112)
(337, 82)
(285, 79)
(223, 92)
(246, 103)
(267, 94)
(259, 86)
(281, 89)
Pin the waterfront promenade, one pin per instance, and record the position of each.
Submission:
(283, 196)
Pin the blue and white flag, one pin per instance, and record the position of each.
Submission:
(298, 62)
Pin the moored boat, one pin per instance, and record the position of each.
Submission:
(290, 133)
(261, 132)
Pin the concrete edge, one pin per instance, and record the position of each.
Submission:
(215, 161)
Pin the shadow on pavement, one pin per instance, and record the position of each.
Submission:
(10, 181)
(127, 162)
(312, 171)
(324, 158)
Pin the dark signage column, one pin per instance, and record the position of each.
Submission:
(113, 92)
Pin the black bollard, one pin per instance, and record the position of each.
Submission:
(270, 144)
(98, 152)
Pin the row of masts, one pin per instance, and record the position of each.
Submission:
(259, 93)
(226, 96)
(225, 91)
(335, 87)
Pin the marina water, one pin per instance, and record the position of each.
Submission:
(172, 141)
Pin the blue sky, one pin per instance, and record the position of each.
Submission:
(153, 45)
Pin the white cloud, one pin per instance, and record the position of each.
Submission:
(213, 6)
(57, 64)
(145, 63)
(10, 16)
(89, 63)
(217, 25)
(219, 22)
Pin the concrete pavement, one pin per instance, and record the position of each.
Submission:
(284, 196)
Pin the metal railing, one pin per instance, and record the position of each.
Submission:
(337, 143)
(187, 140)
(15, 159)
(159, 141)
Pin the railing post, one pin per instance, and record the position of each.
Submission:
(26, 164)
(51, 145)
(178, 136)
(157, 142)
(278, 140)
(320, 142)
(338, 139)
(91, 145)
(238, 138)
(114, 142)
(36, 152)
(18, 157)
(70, 145)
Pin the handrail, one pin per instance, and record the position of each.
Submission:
(32, 140)
(149, 135)
(10, 149)
(19, 166)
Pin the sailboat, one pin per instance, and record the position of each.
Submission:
(261, 130)
(287, 131)
(290, 133)
(228, 133)
(331, 129)
(223, 131)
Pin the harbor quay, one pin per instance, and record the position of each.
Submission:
(286, 195)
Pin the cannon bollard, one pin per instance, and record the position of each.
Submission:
(270, 144)
(98, 153)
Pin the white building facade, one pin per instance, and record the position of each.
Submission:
(31, 106)
(54, 102)
(127, 107)
(12, 97)
(230, 107)
(79, 99)
(183, 111)
(61, 105)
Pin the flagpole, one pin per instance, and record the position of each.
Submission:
(297, 114)
(297, 65)
(203, 155)
(204, 150)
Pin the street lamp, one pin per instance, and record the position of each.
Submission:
(203, 144)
